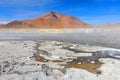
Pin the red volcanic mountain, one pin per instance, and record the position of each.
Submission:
(52, 20)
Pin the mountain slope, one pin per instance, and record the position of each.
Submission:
(1, 25)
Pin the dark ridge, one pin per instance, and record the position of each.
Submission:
(54, 15)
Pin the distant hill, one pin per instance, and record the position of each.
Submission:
(109, 25)
(51, 20)
(1, 25)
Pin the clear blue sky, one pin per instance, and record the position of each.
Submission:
(90, 11)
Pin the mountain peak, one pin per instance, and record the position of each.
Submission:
(52, 13)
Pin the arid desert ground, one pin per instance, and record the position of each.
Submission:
(76, 55)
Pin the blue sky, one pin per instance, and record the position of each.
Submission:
(91, 11)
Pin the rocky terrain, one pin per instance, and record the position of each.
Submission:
(53, 60)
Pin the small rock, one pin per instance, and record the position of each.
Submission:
(92, 62)
(57, 73)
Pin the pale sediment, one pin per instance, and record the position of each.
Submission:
(53, 60)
